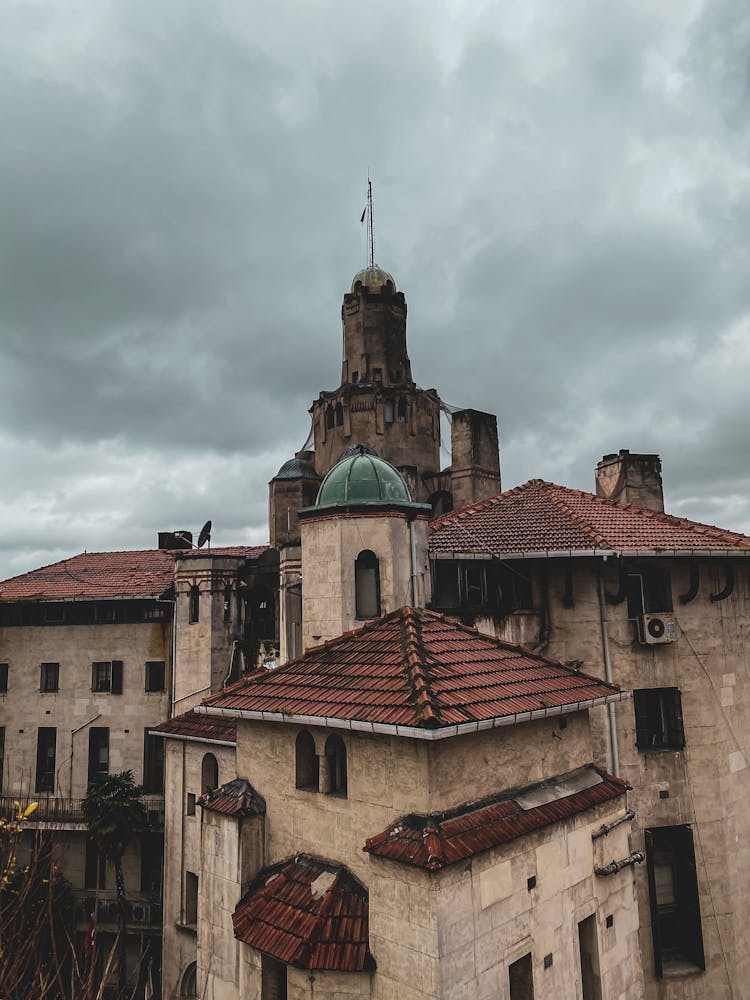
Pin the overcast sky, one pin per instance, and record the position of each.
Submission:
(561, 190)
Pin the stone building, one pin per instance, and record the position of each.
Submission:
(659, 604)
(95, 651)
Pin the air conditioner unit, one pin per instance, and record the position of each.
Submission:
(655, 629)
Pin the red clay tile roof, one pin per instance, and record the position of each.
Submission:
(235, 798)
(199, 727)
(307, 913)
(140, 573)
(415, 669)
(544, 517)
(439, 839)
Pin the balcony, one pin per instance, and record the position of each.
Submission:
(57, 813)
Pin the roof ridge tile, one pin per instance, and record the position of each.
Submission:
(427, 709)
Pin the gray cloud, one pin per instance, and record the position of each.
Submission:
(561, 191)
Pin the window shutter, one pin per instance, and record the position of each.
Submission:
(642, 726)
(116, 677)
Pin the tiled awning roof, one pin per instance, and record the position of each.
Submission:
(143, 573)
(543, 517)
(307, 913)
(235, 798)
(415, 670)
(439, 839)
(192, 726)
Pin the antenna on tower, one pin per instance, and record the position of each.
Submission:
(371, 227)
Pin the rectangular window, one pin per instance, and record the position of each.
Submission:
(153, 763)
(591, 980)
(521, 979)
(191, 898)
(190, 804)
(98, 751)
(273, 979)
(49, 680)
(106, 676)
(152, 848)
(104, 613)
(46, 746)
(658, 719)
(673, 895)
(155, 675)
(54, 614)
(648, 590)
(3, 678)
(95, 872)
(446, 585)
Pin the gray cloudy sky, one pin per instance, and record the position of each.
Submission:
(561, 191)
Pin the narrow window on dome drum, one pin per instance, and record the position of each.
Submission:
(194, 610)
(367, 584)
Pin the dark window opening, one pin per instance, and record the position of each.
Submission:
(649, 590)
(273, 979)
(194, 604)
(189, 984)
(477, 586)
(155, 675)
(658, 719)
(402, 410)
(191, 898)
(95, 867)
(104, 613)
(388, 411)
(441, 503)
(335, 753)
(367, 585)
(227, 603)
(355, 377)
(521, 979)
(106, 677)
(339, 415)
(330, 417)
(377, 375)
(209, 773)
(3, 678)
(152, 850)
(49, 680)
(153, 763)
(190, 804)
(98, 751)
(306, 762)
(46, 747)
(588, 950)
(54, 614)
(673, 895)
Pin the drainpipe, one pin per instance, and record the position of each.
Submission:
(174, 656)
(636, 858)
(413, 543)
(608, 674)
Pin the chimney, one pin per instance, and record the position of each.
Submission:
(626, 478)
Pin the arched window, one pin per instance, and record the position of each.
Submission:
(195, 603)
(403, 409)
(227, 603)
(189, 984)
(367, 584)
(307, 767)
(339, 415)
(388, 411)
(330, 417)
(209, 773)
(336, 765)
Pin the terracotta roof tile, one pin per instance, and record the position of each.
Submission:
(439, 839)
(544, 517)
(307, 913)
(412, 668)
(235, 798)
(199, 727)
(145, 573)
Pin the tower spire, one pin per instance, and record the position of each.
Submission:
(371, 226)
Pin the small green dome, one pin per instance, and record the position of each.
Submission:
(374, 278)
(363, 478)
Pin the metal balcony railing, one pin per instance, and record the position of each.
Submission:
(59, 810)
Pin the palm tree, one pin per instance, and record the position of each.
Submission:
(114, 815)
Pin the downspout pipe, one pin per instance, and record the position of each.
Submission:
(614, 753)
(413, 547)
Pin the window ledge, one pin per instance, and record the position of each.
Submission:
(188, 928)
(676, 970)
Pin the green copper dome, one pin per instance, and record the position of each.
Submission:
(363, 478)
